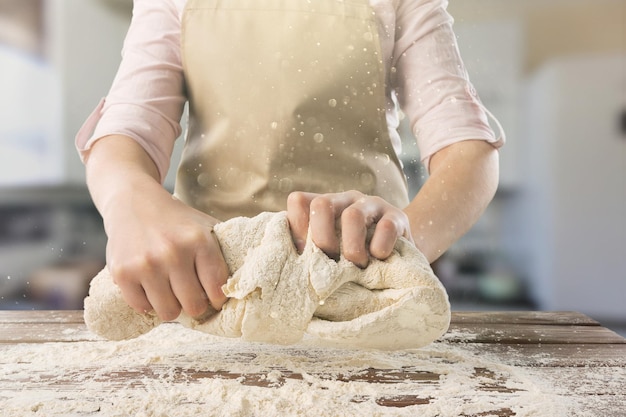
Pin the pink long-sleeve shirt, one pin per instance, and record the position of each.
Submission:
(426, 79)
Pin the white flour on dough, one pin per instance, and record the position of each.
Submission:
(277, 295)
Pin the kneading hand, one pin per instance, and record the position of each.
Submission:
(354, 213)
(163, 256)
(161, 253)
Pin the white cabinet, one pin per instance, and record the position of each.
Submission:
(575, 197)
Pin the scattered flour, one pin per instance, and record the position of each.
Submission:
(172, 371)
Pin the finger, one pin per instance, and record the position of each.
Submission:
(325, 209)
(388, 229)
(212, 271)
(135, 297)
(132, 291)
(298, 208)
(322, 219)
(188, 289)
(354, 223)
(160, 295)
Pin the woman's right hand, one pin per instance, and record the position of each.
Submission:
(160, 252)
(164, 257)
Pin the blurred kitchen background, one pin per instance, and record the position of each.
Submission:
(552, 71)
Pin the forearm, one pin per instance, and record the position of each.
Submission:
(462, 182)
(116, 166)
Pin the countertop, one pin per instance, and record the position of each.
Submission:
(488, 364)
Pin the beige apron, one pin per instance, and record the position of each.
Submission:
(284, 95)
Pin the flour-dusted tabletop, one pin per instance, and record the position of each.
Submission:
(488, 364)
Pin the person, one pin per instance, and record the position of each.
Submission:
(293, 105)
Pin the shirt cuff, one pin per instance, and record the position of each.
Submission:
(449, 124)
(115, 120)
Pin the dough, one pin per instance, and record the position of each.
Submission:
(277, 295)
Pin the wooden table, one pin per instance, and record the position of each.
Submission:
(564, 355)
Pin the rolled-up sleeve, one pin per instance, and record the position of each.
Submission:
(431, 82)
(147, 98)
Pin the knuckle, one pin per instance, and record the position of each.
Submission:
(388, 225)
(322, 203)
(296, 199)
(380, 201)
(126, 272)
(352, 214)
(355, 194)
(189, 239)
(158, 256)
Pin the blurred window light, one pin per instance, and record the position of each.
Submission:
(31, 150)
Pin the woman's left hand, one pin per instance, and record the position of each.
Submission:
(353, 213)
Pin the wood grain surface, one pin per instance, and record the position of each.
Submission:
(563, 348)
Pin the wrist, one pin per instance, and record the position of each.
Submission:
(116, 167)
